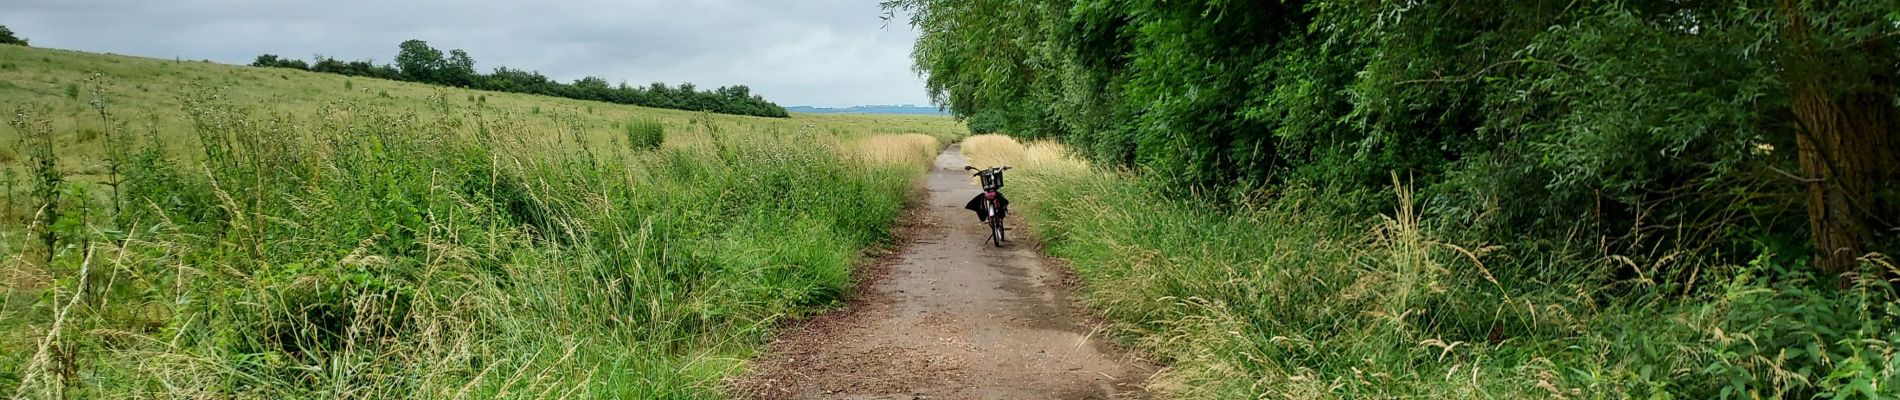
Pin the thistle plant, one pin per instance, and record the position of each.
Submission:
(37, 132)
(115, 154)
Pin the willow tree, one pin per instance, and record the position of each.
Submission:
(1839, 62)
(1520, 119)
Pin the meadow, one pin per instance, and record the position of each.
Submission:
(186, 229)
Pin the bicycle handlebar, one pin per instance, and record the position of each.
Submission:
(985, 171)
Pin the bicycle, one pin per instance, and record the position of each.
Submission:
(990, 206)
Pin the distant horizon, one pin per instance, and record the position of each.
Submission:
(865, 105)
(391, 61)
(940, 110)
(811, 52)
(871, 109)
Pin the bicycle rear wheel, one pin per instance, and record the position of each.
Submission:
(996, 232)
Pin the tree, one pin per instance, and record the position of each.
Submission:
(416, 61)
(7, 37)
(1842, 78)
(735, 92)
(1532, 117)
(419, 62)
(273, 61)
(459, 69)
(330, 65)
(591, 88)
(266, 60)
(982, 123)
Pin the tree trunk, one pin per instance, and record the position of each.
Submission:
(1843, 100)
(1844, 149)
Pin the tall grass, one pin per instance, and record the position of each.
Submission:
(987, 151)
(904, 149)
(645, 134)
(360, 251)
(1287, 299)
(143, 85)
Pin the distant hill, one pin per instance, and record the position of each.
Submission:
(875, 109)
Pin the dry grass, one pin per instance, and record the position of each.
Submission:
(985, 151)
(1049, 157)
(1037, 160)
(1045, 156)
(898, 149)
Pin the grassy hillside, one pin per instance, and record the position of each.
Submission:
(136, 87)
(1289, 297)
(234, 232)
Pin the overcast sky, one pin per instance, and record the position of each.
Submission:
(793, 52)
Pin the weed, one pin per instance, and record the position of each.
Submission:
(645, 134)
(72, 91)
(115, 151)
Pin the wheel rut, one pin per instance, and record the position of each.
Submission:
(947, 316)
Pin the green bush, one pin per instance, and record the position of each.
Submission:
(985, 123)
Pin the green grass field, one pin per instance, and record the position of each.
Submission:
(141, 90)
(236, 232)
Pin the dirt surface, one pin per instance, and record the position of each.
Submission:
(948, 316)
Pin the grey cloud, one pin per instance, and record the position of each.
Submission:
(816, 52)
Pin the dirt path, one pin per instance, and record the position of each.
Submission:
(949, 317)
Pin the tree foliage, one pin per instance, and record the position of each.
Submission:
(416, 61)
(421, 63)
(1547, 118)
(365, 68)
(7, 37)
(273, 61)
